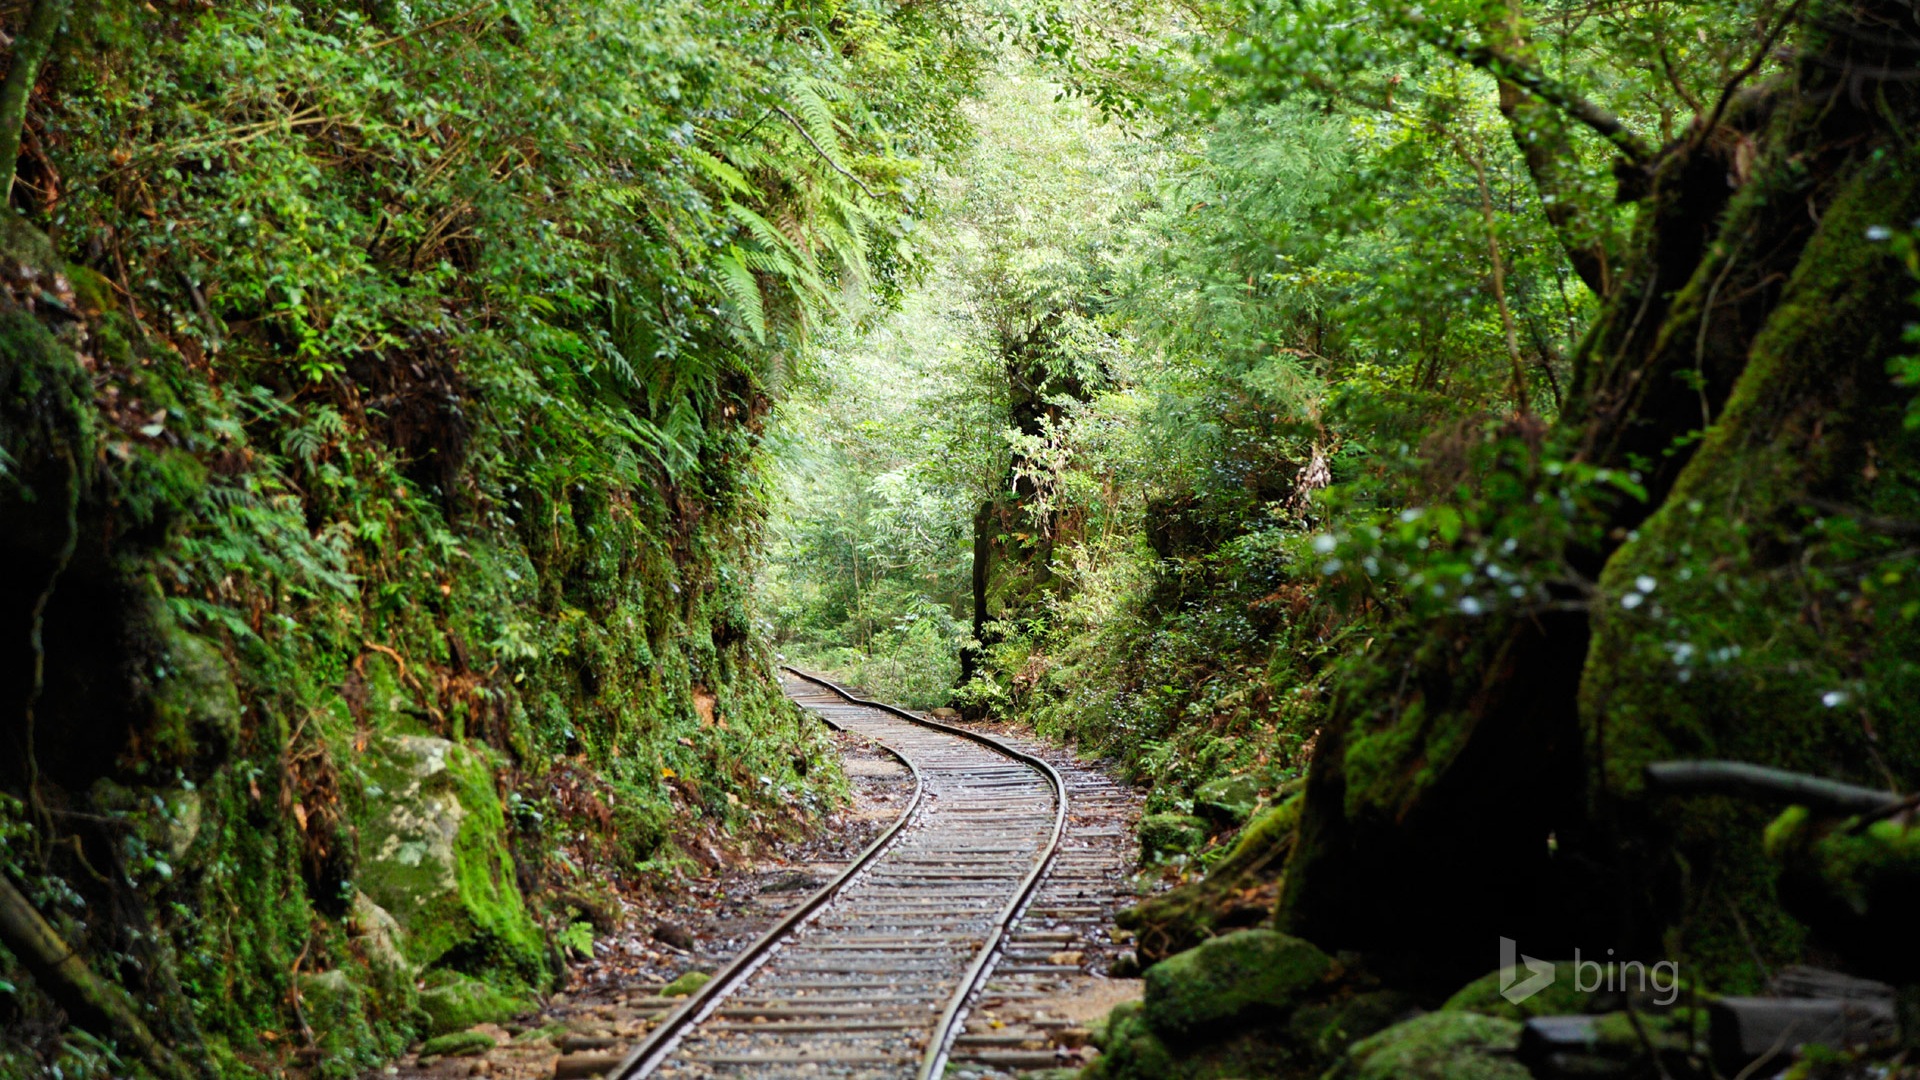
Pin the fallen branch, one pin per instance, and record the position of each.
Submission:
(1766, 784)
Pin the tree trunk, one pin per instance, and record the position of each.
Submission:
(1480, 776)
(29, 52)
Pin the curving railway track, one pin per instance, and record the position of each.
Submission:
(874, 975)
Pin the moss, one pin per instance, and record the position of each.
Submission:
(1167, 835)
(1856, 883)
(1229, 979)
(1129, 1048)
(194, 703)
(156, 489)
(1324, 1031)
(1438, 1046)
(435, 856)
(21, 242)
(334, 1009)
(687, 983)
(1227, 800)
(92, 290)
(451, 1001)
(457, 1044)
(45, 415)
(1483, 996)
(1671, 1034)
(1236, 890)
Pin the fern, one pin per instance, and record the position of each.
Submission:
(718, 171)
(744, 290)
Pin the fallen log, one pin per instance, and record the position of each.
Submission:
(88, 1000)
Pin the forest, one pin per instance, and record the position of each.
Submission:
(1460, 460)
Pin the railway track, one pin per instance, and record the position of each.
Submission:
(874, 975)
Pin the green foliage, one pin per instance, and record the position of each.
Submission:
(431, 347)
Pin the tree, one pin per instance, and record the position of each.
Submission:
(1738, 371)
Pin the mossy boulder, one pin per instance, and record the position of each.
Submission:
(1165, 835)
(1242, 975)
(1129, 1048)
(1227, 800)
(686, 984)
(456, 1002)
(458, 1044)
(1483, 995)
(434, 855)
(196, 707)
(1444, 1045)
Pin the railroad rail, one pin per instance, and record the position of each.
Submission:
(872, 975)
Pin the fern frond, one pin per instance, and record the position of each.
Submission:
(718, 171)
(763, 231)
(817, 117)
(738, 282)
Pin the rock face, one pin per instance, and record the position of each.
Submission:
(434, 855)
(1247, 974)
(378, 935)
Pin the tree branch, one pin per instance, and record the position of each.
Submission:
(824, 156)
(1534, 82)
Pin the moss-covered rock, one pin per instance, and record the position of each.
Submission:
(435, 856)
(334, 1009)
(686, 984)
(1438, 1046)
(1483, 995)
(458, 1044)
(195, 706)
(1227, 800)
(1736, 622)
(1238, 890)
(455, 1002)
(1857, 884)
(1245, 974)
(1129, 1048)
(378, 936)
(1166, 835)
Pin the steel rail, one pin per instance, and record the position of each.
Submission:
(941, 1042)
(660, 1042)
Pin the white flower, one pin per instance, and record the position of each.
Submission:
(1631, 600)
